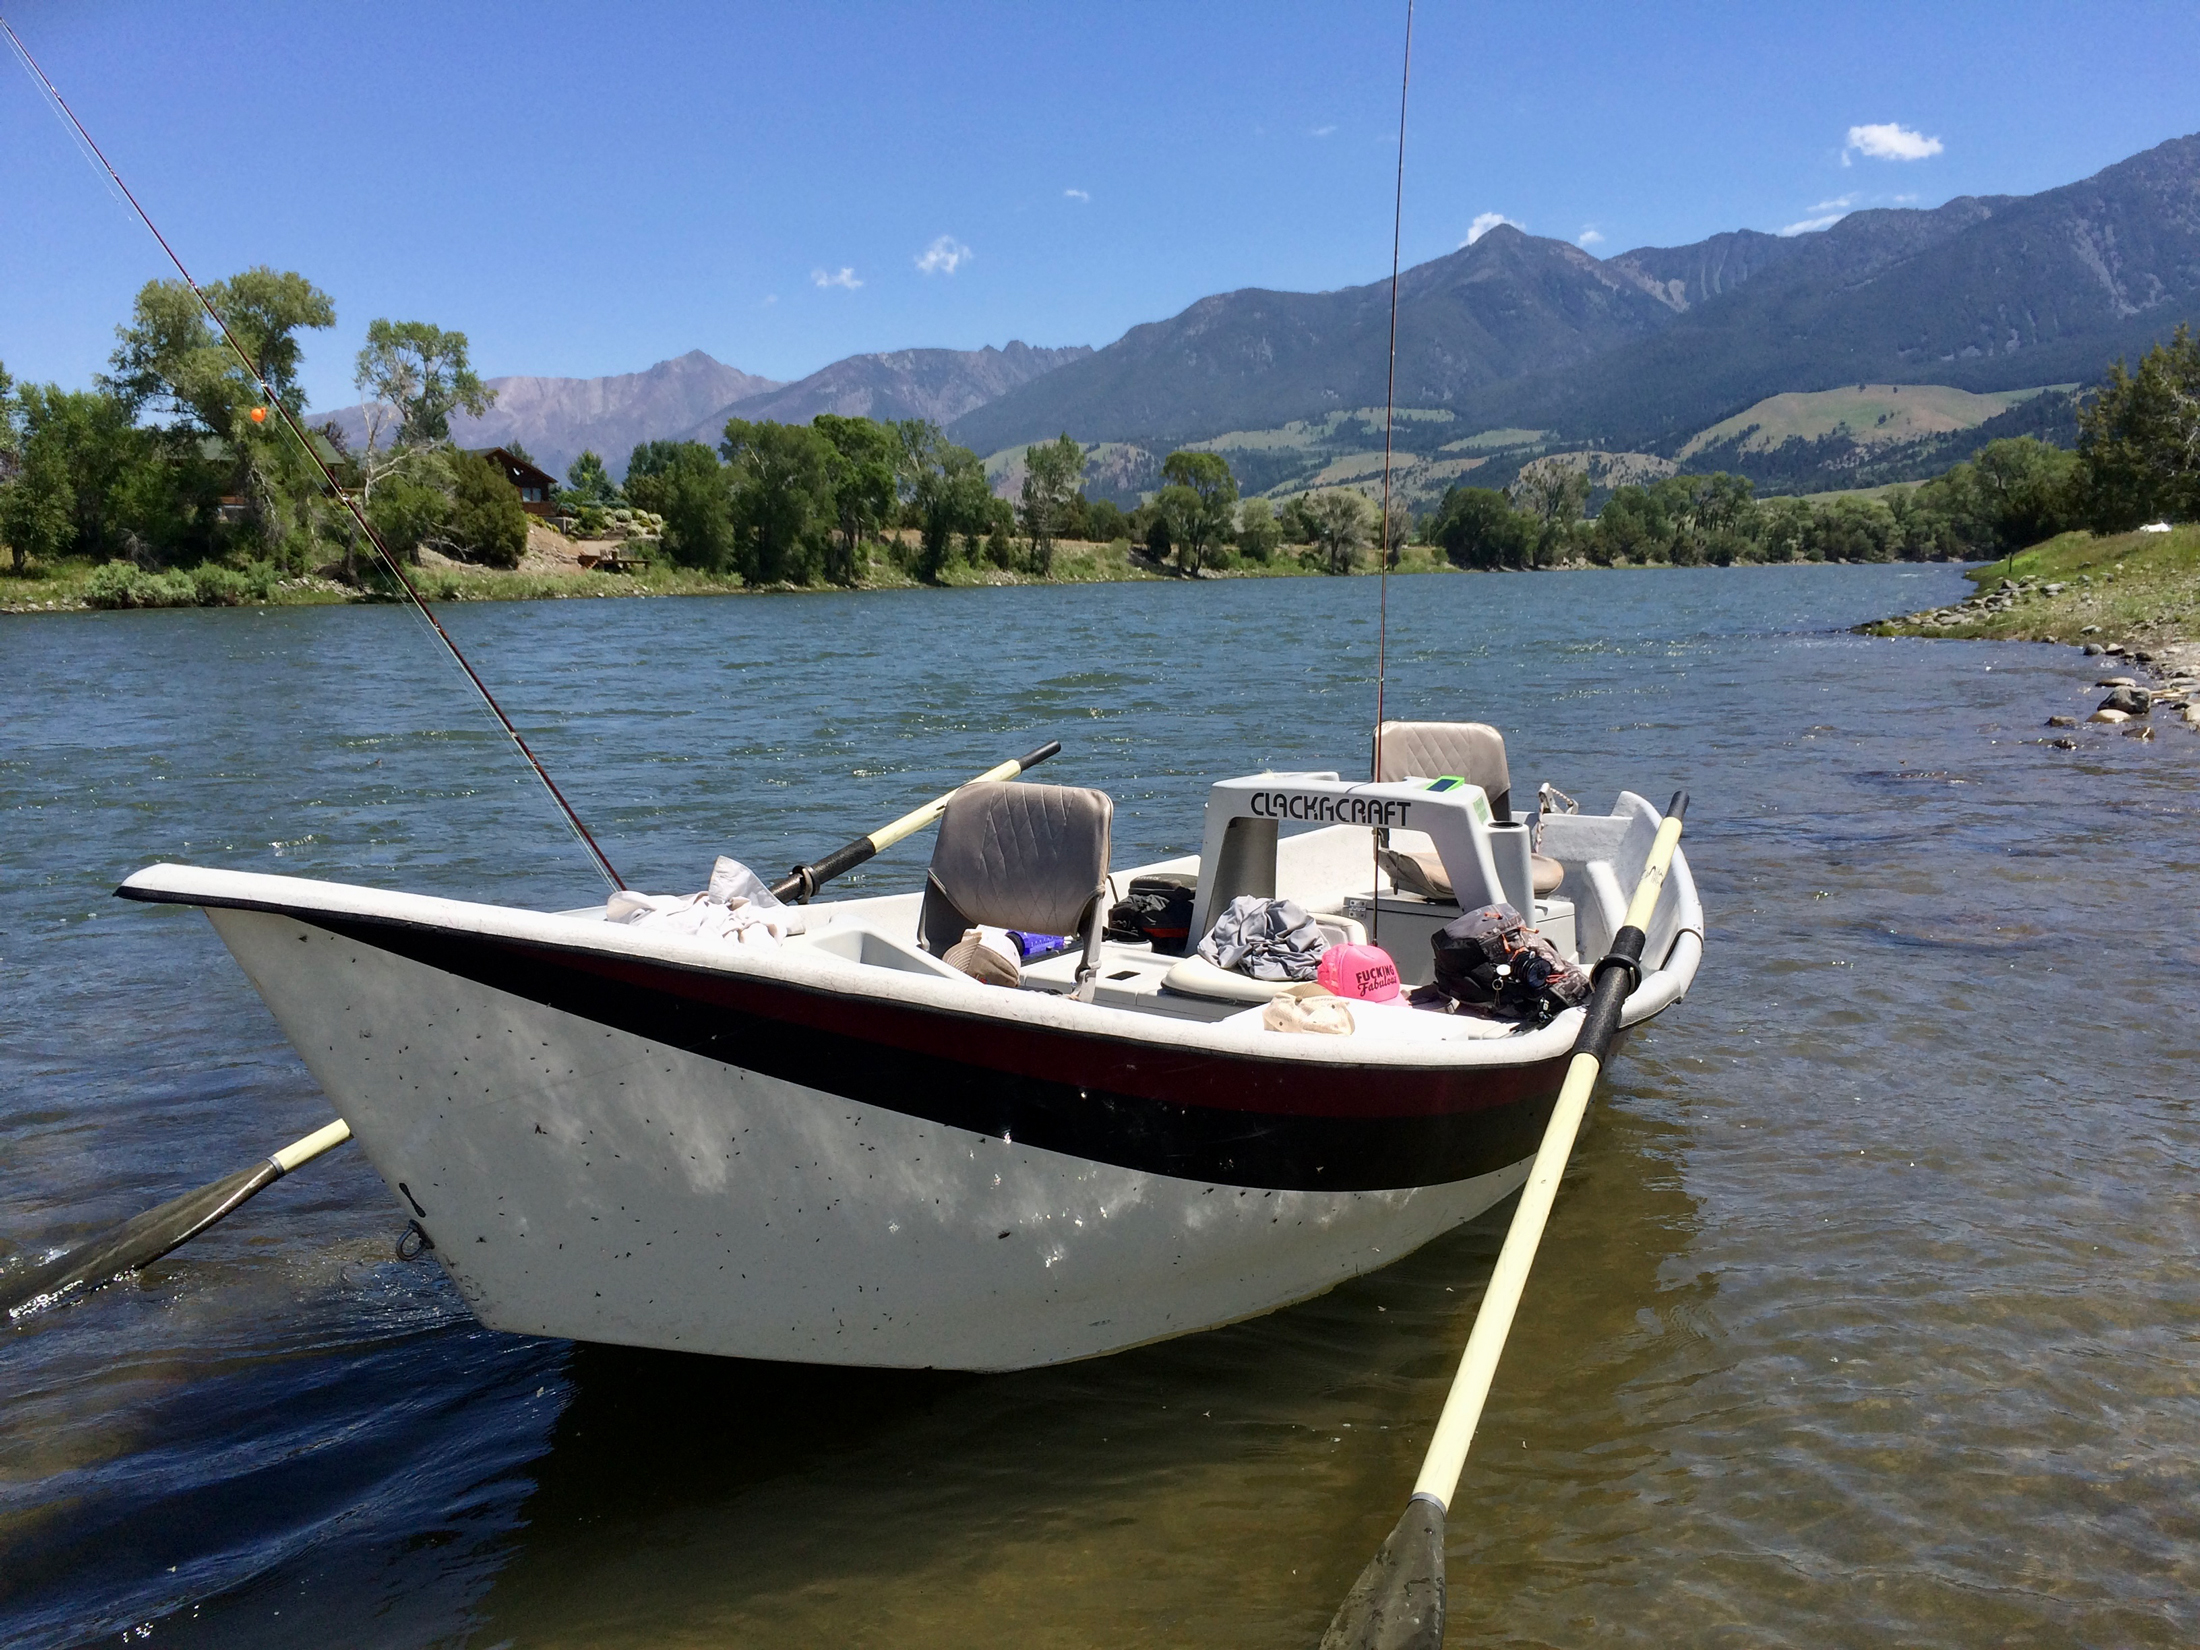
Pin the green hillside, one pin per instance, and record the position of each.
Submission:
(1872, 415)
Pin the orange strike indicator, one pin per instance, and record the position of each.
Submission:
(259, 415)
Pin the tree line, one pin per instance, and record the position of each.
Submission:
(173, 461)
(176, 460)
(2137, 460)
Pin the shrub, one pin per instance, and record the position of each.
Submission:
(213, 585)
(487, 523)
(125, 584)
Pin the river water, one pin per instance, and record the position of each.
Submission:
(1867, 1316)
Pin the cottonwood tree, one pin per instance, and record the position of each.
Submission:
(420, 373)
(1052, 474)
(683, 482)
(36, 501)
(864, 481)
(946, 489)
(1257, 532)
(1198, 504)
(170, 356)
(486, 523)
(411, 376)
(1339, 521)
(1477, 527)
(1551, 492)
(781, 479)
(171, 360)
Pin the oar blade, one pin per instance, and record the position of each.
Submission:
(135, 1243)
(1398, 1602)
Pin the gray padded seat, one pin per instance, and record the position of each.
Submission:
(1029, 857)
(1474, 751)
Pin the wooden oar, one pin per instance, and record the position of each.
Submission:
(149, 1236)
(1398, 1602)
(805, 880)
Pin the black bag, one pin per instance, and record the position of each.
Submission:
(1493, 963)
(1159, 909)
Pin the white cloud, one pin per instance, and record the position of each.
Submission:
(1484, 222)
(1590, 237)
(1321, 131)
(1839, 203)
(1891, 141)
(1810, 226)
(944, 256)
(1078, 195)
(844, 276)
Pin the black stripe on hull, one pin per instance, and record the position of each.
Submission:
(1269, 1123)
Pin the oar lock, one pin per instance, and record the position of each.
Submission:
(413, 1242)
(1619, 959)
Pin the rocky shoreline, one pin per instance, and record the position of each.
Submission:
(2130, 601)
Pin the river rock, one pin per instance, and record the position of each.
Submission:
(2066, 743)
(2117, 681)
(2132, 701)
(2094, 650)
(2108, 716)
(2062, 721)
(2145, 730)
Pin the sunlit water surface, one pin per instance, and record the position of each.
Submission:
(1867, 1316)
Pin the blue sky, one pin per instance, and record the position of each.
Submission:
(587, 190)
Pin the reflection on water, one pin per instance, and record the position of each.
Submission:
(1864, 1317)
(1194, 1487)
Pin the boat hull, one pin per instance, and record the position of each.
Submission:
(611, 1149)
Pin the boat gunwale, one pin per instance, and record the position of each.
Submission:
(820, 974)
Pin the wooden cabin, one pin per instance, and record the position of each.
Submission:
(538, 488)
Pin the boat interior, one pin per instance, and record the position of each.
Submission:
(1388, 862)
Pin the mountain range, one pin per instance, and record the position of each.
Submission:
(1644, 349)
(690, 398)
(1518, 343)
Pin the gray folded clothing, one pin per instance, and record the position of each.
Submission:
(1266, 939)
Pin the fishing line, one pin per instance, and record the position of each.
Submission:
(1382, 552)
(289, 419)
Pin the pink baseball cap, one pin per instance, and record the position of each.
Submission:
(1362, 971)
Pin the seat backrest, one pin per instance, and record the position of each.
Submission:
(1031, 857)
(1474, 751)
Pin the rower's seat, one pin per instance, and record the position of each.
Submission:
(1030, 857)
(1473, 751)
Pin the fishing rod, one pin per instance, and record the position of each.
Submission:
(1376, 839)
(1390, 407)
(328, 476)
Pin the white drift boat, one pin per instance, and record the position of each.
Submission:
(840, 1149)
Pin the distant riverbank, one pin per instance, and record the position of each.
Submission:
(552, 571)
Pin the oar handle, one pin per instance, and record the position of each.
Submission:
(1616, 975)
(1398, 1601)
(805, 880)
